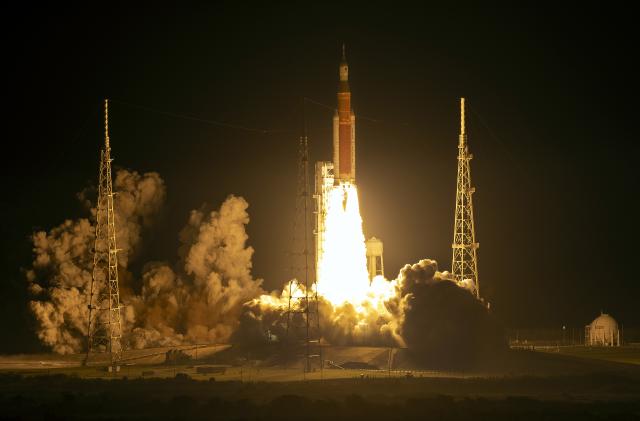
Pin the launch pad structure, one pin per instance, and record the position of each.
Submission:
(303, 308)
(324, 181)
(303, 320)
(464, 265)
(327, 175)
(104, 328)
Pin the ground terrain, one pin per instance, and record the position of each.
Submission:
(563, 384)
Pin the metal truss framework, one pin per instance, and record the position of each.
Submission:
(303, 321)
(464, 265)
(104, 333)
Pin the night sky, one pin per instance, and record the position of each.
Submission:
(551, 125)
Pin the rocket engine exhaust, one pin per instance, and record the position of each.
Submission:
(209, 294)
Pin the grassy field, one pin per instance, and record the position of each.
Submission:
(587, 397)
(239, 367)
(235, 374)
(625, 354)
(528, 386)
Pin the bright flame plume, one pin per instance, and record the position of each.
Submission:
(342, 263)
(357, 307)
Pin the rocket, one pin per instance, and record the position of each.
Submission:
(344, 130)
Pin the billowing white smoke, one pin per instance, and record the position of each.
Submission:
(199, 300)
(59, 278)
(441, 322)
(139, 199)
(60, 274)
(203, 303)
(210, 295)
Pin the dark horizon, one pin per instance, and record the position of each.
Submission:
(550, 124)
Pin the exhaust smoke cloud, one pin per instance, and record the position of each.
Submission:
(210, 296)
(198, 300)
(60, 275)
(201, 300)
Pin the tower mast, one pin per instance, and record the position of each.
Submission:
(464, 265)
(105, 325)
(303, 321)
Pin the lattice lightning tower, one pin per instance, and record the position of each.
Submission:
(464, 265)
(105, 325)
(303, 322)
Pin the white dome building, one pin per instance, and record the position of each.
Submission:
(603, 331)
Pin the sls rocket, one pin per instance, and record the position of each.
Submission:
(344, 130)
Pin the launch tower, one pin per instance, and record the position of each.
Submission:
(324, 181)
(303, 321)
(104, 333)
(464, 265)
